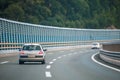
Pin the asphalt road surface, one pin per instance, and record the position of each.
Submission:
(73, 64)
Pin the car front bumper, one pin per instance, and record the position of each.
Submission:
(31, 59)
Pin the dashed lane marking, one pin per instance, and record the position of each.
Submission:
(48, 66)
(48, 74)
(51, 63)
(54, 59)
(59, 57)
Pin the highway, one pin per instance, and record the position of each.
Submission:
(72, 64)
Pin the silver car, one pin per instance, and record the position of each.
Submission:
(96, 45)
(32, 53)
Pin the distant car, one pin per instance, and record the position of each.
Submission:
(32, 53)
(95, 45)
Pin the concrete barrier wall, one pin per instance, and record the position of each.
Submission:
(112, 47)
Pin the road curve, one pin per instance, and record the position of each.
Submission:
(74, 64)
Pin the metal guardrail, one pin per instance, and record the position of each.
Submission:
(110, 56)
(7, 46)
(110, 53)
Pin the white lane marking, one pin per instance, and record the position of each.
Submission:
(59, 57)
(4, 62)
(54, 60)
(48, 66)
(48, 74)
(92, 57)
(50, 62)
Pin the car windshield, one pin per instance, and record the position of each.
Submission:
(95, 44)
(31, 47)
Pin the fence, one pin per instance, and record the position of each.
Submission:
(13, 34)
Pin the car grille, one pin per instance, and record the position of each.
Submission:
(23, 56)
(38, 56)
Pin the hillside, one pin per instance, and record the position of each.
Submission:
(90, 14)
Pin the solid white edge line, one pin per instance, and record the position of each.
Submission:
(4, 62)
(92, 57)
(48, 74)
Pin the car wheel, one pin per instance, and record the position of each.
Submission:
(43, 62)
(21, 62)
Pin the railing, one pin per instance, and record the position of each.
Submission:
(111, 53)
(13, 34)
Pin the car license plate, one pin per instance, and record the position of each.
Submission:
(31, 56)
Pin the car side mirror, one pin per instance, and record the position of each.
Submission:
(44, 49)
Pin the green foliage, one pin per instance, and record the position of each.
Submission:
(88, 14)
(13, 11)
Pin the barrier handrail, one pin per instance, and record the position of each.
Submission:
(110, 53)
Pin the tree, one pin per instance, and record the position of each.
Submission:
(14, 12)
(66, 13)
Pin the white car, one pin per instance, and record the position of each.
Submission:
(95, 45)
(32, 53)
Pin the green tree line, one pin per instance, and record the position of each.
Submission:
(90, 14)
